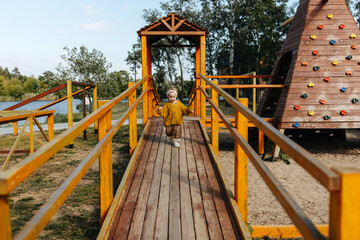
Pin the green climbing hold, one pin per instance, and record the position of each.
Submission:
(316, 68)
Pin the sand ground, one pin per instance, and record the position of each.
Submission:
(263, 208)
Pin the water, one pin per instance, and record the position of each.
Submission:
(60, 108)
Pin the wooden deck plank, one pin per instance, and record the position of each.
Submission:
(201, 230)
(206, 191)
(162, 218)
(140, 208)
(174, 213)
(223, 215)
(129, 206)
(187, 222)
(148, 231)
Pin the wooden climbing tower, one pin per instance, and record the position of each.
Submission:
(320, 65)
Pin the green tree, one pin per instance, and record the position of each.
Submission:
(134, 59)
(2, 88)
(81, 65)
(15, 88)
(32, 85)
(116, 83)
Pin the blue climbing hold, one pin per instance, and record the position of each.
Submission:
(304, 95)
(332, 42)
(349, 57)
(296, 125)
(354, 100)
(326, 117)
(343, 89)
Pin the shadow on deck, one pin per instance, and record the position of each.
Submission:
(173, 193)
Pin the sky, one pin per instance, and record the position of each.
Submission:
(34, 33)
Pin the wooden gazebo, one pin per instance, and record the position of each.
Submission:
(173, 28)
(320, 65)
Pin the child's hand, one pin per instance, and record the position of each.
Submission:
(191, 110)
(159, 108)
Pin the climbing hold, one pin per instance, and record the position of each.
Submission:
(327, 79)
(354, 100)
(304, 64)
(311, 84)
(341, 26)
(335, 63)
(352, 36)
(315, 52)
(326, 117)
(348, 73)
(313, 37)
(320, 27)
(304, 95)
(343, 112)
(343, 89)
(322, 101)
(349, 57)
(297, 107)
(354, 46)
(332, 42)
(311, 113)
(330, 16)
(359, 62)
(296, 125)
(316, 68)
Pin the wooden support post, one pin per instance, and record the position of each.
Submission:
(150, 93)
(51, 126)
(202, 82)
(105, 167)
(241, 162)
(5, 223)
(197, 84)
(84, 109)
(261, 142)
(31, 127)
(144, 73)
(215, 121)
(69, 108)
(95, 107)
(15, 129)
(345, 206)
(254, 93)
(132, 121)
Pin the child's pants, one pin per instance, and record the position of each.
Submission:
(174, 130)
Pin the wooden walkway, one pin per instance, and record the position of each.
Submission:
(173, 193)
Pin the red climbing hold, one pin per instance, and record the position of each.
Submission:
(343, 112)
(304, 64)
(348, 73)
(322, 101)
(297, 107)
(327, 79)
(354, 46)
(315, 52)
(320, 27)
(341, 26)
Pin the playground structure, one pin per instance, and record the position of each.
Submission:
(319, 64)
(342, 183)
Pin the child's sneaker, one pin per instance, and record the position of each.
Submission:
(176, 143)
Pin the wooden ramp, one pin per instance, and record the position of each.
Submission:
(173, 193)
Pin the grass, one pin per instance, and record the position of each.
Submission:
(79, 216)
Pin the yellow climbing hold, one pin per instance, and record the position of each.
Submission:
(335, 63)
(311, 84)
(313, 37)
(330, 16)
(353, 36)
(311, 113)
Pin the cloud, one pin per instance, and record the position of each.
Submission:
(96, 26)
(91, 10)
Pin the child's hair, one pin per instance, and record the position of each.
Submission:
(172, 89)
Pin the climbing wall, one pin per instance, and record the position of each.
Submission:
(322, 74)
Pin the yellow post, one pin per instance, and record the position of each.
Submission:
(31, 126)
(254, 93)
(241, 162)
(132, 121)
(144, 73)
(105, 166)
(215, 121)
(95, 107)
(69, 108)
(5, 223)
(202, 82)
(150, 93)
(345, 206)
(15, 129)
(261, 142)
(51, 126)
(197, 84)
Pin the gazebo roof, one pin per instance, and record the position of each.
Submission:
(172, 25)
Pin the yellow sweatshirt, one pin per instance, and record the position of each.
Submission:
(173, 113)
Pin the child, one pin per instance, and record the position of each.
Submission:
(172, 113)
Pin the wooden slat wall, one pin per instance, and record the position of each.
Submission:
(173, 193)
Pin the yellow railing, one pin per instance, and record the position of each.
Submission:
(12, 177)
(342, 183)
